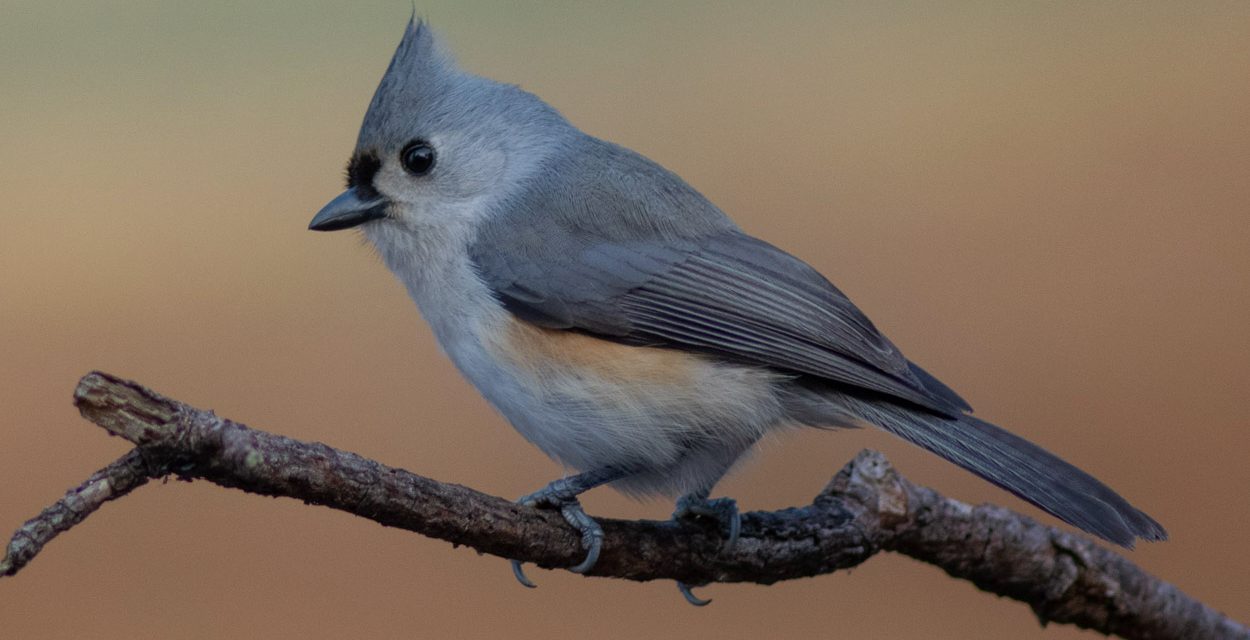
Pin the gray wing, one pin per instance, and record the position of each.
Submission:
(725, 293)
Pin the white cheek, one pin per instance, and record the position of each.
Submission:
(455, 190)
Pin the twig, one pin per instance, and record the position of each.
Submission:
(866, 508)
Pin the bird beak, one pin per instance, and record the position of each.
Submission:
(347, 211)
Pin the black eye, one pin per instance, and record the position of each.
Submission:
(418, 157)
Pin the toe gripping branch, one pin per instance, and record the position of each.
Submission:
(562, 494)
(722, 510)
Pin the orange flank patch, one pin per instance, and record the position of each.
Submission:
(552, 351)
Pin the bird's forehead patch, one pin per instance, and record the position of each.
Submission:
(360, 172)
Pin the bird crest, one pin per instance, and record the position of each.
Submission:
(419, 73)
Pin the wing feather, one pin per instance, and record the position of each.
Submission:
(727, 294)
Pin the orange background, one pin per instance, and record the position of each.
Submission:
(1043, 203)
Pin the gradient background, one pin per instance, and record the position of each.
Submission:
(1045, 204)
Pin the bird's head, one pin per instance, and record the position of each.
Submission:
(440, 148)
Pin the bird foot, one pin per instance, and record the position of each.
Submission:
(724, 510)
(694, 506)
(562, 495)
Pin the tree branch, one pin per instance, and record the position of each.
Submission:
(867, 507)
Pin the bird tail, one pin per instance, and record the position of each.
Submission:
(1011, 462)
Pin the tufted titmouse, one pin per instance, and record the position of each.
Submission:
(622, 323)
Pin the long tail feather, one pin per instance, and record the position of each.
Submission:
(1011, 462)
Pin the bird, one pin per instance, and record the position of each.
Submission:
(624, 324)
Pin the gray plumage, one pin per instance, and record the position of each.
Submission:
(529, 234)
(568, 263)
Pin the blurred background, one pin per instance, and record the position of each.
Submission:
(1045, 204)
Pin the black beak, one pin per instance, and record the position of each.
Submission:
(347, 211)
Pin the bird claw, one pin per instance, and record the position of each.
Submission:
(690, 597)
(556, 495)
(519, 573)
(592, 534)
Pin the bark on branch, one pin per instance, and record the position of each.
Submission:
(867, 508)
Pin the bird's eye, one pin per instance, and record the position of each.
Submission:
(417, 157)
